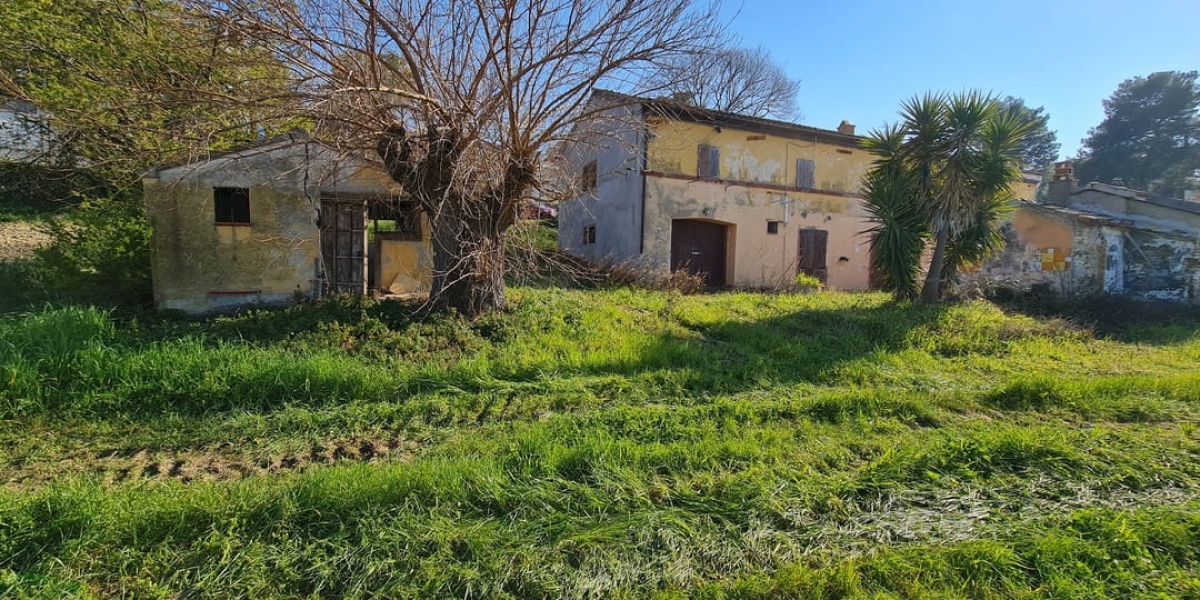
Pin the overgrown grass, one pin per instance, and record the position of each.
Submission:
(608, 443)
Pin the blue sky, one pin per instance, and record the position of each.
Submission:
(858, 59)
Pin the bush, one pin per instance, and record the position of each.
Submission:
(103, 251)
(807, 283)
(28, 191)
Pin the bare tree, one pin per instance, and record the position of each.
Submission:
(738, 80)
(461, 99)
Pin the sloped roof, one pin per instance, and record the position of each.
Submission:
(1139, 196)
(263, 146)
(694, 114)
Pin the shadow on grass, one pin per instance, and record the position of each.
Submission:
(731, 356)
(25, 288)
(1112, 317)
(28, 285)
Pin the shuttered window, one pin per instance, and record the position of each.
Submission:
(708, 162)
(806, 173)
(588, 180)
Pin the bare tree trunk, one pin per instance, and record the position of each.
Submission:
(465, 102)
(932, 290)
(468, 265)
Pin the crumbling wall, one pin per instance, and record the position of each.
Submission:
(1080, 254)
(1156, 265)
(1039, 249)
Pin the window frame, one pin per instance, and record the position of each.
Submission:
(589, 179)
(404, 212)
(231, 216)
(589, 235)
(708, 156)
(806, 172)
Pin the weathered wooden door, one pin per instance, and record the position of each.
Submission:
(344, 245)
(699, 247)
(813, 244)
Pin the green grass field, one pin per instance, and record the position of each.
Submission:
(601, 444)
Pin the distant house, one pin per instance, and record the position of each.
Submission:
(1101, 239)
(744, 201)
(24, 132)
(286, 218)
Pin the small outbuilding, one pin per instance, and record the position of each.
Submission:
(285, 219)
(1100, 239)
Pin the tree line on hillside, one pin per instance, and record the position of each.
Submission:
(463, 104)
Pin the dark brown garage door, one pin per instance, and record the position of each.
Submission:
(699, 247)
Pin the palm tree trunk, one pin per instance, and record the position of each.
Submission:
(932, 291)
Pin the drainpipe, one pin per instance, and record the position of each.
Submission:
(645, 160)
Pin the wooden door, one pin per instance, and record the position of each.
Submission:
(699, 247)
(344, 245)
(813, 245)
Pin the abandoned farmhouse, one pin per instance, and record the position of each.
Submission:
(288, 217)
(747, 202)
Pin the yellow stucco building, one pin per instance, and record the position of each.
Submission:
(743, 201)
(284, 219)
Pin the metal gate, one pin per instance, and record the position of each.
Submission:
(344, 245)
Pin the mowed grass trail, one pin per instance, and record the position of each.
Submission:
(601, 444)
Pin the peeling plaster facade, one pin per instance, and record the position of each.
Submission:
(199, 265)
(649, 178)
(1101, 239)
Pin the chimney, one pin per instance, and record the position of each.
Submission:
(846, 128)
(1063, 183)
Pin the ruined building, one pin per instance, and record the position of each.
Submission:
(1101, 239)
(287, 218)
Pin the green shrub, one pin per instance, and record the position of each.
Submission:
(29, 191)
(104, 251)
(807, 283)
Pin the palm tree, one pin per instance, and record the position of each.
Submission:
(901, 232)
(950, 166)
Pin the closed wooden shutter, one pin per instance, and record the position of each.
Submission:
(708, 162)
(806, 173)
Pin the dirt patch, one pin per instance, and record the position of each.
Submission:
(218, 463)
(18, 241)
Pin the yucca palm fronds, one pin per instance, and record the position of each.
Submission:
(981, 239)
(900, 233)
(945, 172)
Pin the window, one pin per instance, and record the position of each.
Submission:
(589, 235)
(394, 219)
(708, 162)
(773, 227)
(806, 173)
(232, 206)
(588, 180)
